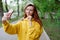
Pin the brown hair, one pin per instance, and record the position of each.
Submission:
(35, 14)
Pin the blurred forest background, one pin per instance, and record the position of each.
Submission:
(48, 10)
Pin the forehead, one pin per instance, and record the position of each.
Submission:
(30, 7)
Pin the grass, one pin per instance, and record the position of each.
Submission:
(52, 28)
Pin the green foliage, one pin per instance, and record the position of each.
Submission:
(52, 29)
(57, 15)
(44, 5)
(49, 6)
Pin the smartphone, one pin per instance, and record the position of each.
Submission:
(10, 11)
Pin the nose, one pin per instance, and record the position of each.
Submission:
(28, 11)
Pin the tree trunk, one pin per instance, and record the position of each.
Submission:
(6, 5)
(18, 7)
(1, 10)
(51, 16)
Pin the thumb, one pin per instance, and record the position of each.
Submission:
(29, 17)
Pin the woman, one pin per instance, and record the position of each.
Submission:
(30, 28)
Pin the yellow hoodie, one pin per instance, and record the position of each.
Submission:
(23, 29)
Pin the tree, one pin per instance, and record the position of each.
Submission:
(1, 9)
(18, 7)
(6, 5)
(45, 6)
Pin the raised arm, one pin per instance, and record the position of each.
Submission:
(11, 28)
(8, 27)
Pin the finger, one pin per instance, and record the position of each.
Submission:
(8, 14)
(29, 17)
(10, 11)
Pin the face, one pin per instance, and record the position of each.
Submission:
(29, 10)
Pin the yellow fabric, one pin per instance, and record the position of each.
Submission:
(23, 30)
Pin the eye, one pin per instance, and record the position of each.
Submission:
(27, 9)
(31, 10)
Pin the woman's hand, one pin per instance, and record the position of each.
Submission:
(7, 15)
(29, 18)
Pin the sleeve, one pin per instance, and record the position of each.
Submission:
(11, 28)
(36, 33)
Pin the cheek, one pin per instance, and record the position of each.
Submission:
(31, 12)
(26, 11)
